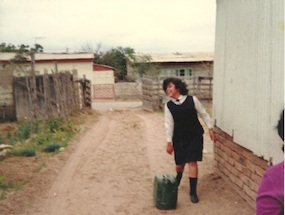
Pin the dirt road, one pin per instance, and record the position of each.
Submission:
(110, 170)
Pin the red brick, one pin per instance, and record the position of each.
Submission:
(231, 161)
(249, 192)
(228, 166)
(254, 186)
(228, 151)
(246, 172)
(220, 138)
(251, 166)
(237, 181)
(217, 130)
(239, 166)
(259, 171)
(256, 178)
(228, 137)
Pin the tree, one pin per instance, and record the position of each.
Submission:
(37, 48)
(115, 58)
(20, 48)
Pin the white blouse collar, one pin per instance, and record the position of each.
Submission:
(180, 99)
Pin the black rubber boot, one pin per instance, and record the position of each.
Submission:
(178, 178)
(193, 190)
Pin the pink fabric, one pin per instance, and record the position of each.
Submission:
(270, 195)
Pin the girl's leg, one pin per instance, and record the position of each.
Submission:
(179, 170)
(193, 169)
(193, 179)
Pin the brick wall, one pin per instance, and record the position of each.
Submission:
(238, 166)
(103, 91)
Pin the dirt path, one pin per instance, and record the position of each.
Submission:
(111, 168)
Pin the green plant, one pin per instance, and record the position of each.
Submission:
(28, 152)
(55, 124)
(24, 131)
(9, 135)
(2, 140)
(52, 147)
(41, 139)
(12, 140)
(6, 186)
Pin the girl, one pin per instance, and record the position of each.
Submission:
(184, 132)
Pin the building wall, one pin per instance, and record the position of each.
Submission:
(198, 69)
(248, 90)
(128, 90)
(249, 73)
(103, 84)
(6, 92)
(238, 166)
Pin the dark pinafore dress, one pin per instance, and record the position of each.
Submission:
(188, 132)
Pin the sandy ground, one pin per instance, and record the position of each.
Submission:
(110, 169)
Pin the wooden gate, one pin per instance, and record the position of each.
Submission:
(154, 97)
(150, 93)
(86, 92)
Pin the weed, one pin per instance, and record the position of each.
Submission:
(9, 135)
(52, 147)
(42, 139)
(28, 152)
(2, 140)
(6, 186)
(12, 140)
(55, 124)
(24, 131)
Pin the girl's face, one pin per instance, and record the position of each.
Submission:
(172, 92)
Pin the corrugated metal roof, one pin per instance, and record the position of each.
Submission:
(7, 56)
(178, 57)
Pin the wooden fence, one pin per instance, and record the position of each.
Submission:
(154, 97)
(46, 96)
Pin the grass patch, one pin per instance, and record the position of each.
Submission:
(6, 186)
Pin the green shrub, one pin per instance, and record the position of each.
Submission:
(28, 152)
(24, 131)
(52, 147)
(40, 140)
(55, 124)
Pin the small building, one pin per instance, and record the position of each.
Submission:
(52, 62)
(82, 62)
(248, 91)
(192, 65)
(103, 82)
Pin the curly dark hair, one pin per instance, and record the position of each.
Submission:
(280, 126)
(178, 83)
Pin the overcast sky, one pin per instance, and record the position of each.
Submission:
(144, 25)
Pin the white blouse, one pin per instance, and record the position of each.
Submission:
(169, 122)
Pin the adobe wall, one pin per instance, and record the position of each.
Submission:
(238, 166)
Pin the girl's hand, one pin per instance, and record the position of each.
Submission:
(212, 135)
(169, 148)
